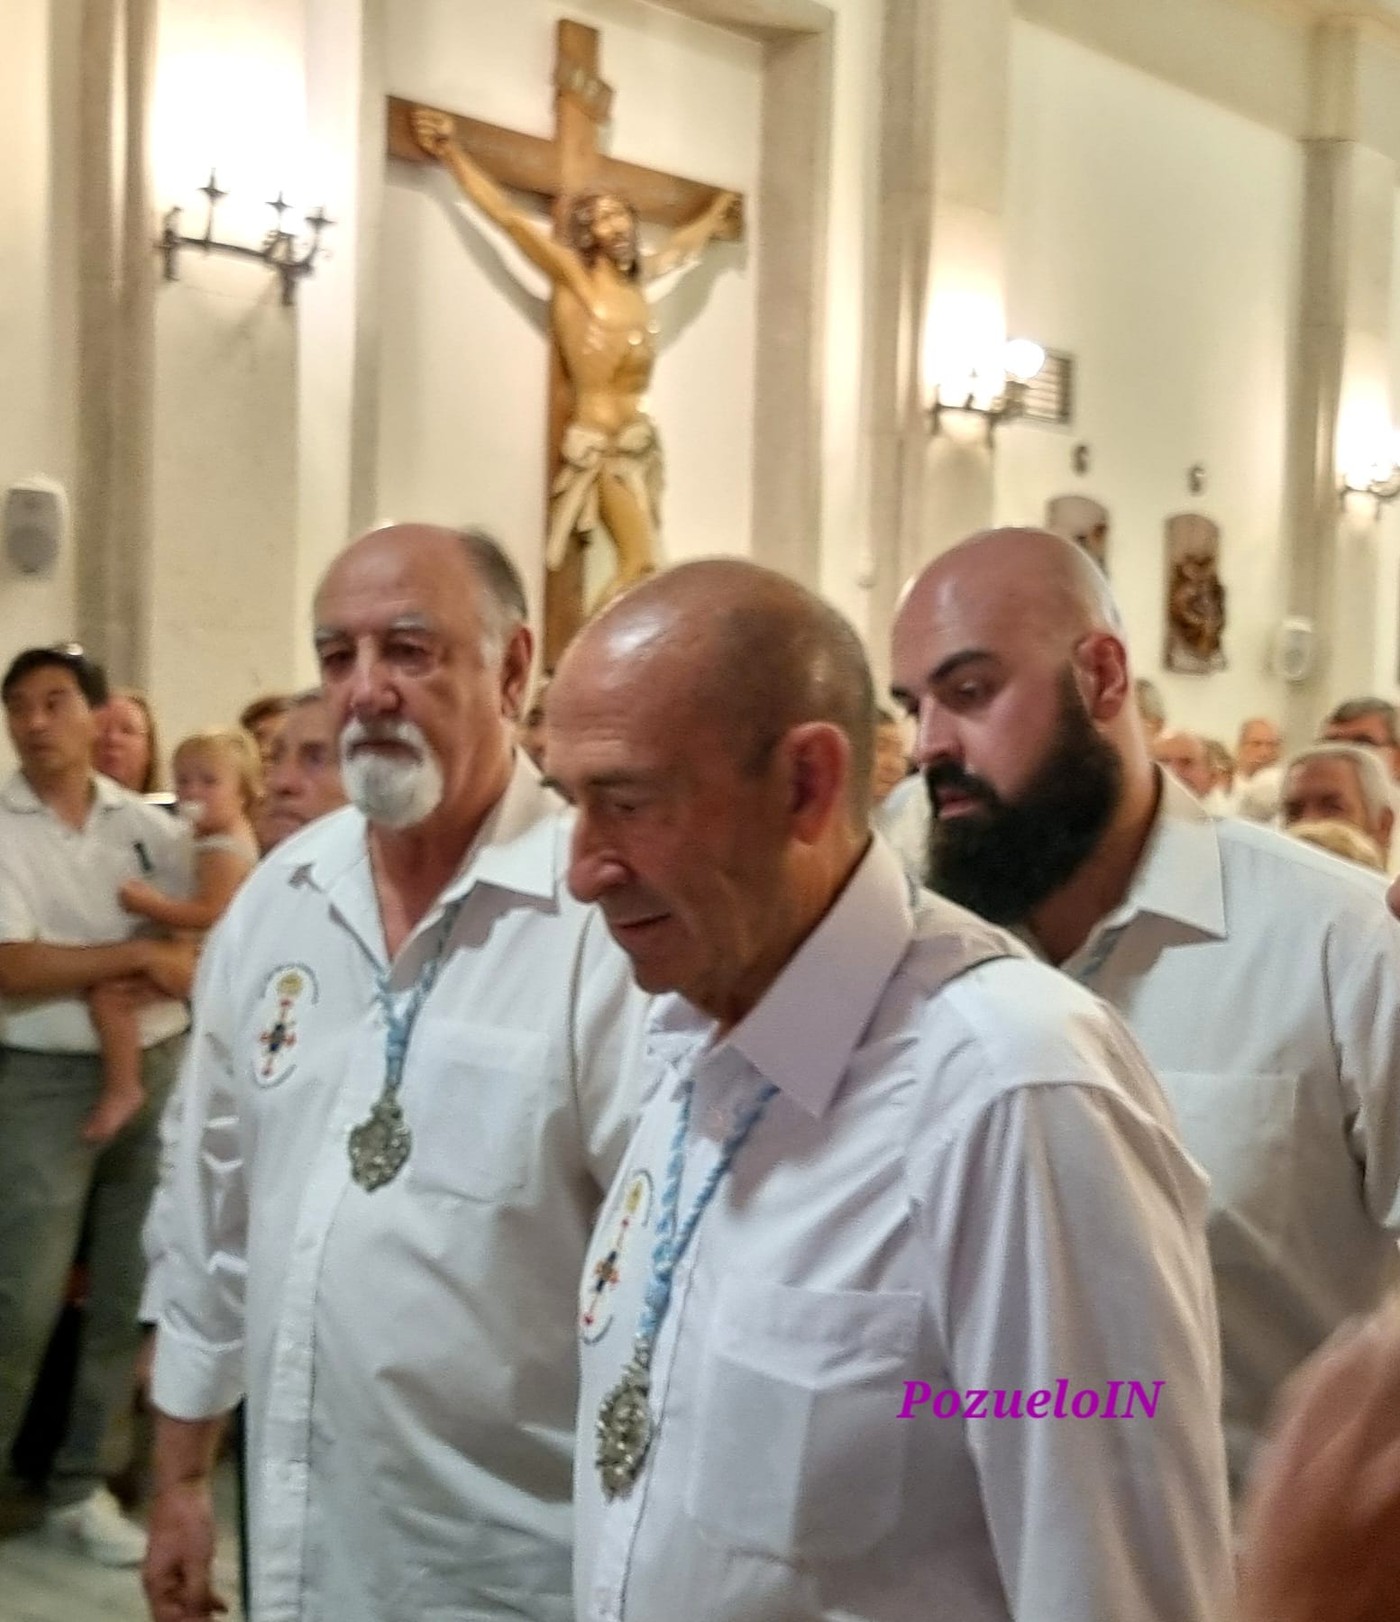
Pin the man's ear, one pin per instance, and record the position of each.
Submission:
(1387, 827)
(818, 771)
(1101, 663)
(515, 671)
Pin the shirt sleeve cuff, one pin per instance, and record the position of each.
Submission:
(194, 1379)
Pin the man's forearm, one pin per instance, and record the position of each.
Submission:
(185, 1449)
(36, 969)
(170, 967)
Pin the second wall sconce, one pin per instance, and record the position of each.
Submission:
(1378, 481)
(997, 394)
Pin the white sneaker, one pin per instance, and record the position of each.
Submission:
(96, 1527)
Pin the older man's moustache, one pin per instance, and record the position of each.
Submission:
(374, 735)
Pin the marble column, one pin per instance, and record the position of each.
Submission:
(940, 295)
(1341, 396)
(127, 638)
(97, 328)
(115, 315)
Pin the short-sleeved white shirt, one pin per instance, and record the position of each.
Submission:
(58, 885)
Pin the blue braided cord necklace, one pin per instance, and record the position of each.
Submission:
(380, 1144)
(625, 1426)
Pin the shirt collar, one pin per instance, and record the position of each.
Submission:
(109, 794)
(1179, 874)
(520, 846)
(804, 1030)
(18, 794)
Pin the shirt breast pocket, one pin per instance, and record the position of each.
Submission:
(1242, 1127)
(474, 1107)
(799, 1453)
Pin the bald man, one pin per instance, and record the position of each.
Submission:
(1261, 978)
(408, 1087)
(901, 1202)
(1185, 756)
(1258, 772)
(1259, 746)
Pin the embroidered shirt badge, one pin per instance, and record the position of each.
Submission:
(605, 1273)
(286, 988)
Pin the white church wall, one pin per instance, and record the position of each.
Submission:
(339, 83)
(1154, 236)
(463, 357)
(225, 613)
(35, 278)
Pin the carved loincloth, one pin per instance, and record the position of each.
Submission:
(633, 455)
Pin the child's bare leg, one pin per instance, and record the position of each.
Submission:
(119, 1037)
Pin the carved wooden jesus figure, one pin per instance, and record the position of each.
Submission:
(602, 323)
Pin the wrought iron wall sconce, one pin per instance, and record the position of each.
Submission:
(1021, 361)
(293, 257)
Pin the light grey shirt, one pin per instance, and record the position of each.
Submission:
(1262, 978)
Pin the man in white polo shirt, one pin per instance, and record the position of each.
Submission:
(68, 839)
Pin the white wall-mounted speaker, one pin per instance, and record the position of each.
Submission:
(1292, 655)
(35, 524)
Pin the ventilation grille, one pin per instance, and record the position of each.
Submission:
(1050, 394)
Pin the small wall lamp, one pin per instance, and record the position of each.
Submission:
(291, 256)
(1378, 481)
(996, 395)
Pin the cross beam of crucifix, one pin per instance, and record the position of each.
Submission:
(554, 171)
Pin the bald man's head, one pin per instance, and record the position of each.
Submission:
(1044, 586)
(745, 650)
(1260, 744)
(492, 579)
(714, 730)
(1185, 756)
(1009, 650)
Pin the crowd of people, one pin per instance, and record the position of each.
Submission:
(1339, 793)
(617, 1186)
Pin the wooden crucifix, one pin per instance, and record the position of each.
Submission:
(603, 455)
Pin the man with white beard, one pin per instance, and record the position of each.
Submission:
(405, 1097)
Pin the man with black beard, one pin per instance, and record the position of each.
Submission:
(1261, 978)
(1001, 862)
